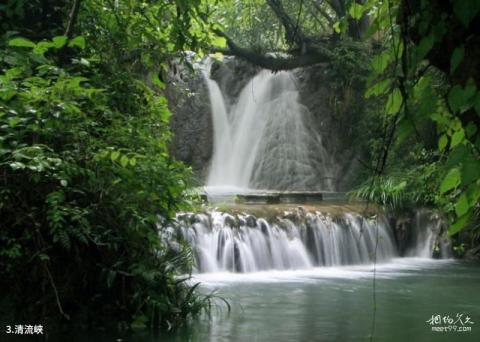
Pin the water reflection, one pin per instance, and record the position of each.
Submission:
(333, 305)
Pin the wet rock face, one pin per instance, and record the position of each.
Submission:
(403, 231)
(338, 109)
(421, 233)
(191, 122)
(231, 75)
(473, 254)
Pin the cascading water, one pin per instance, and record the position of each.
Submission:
(427, 239)
(267, 139)
(301, 240)
(242, 243)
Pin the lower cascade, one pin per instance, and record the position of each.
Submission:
(295, 240)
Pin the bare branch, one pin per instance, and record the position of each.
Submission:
(55, 291)
(72, 18)
(293, 34)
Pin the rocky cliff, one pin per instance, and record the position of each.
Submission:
(191, 121)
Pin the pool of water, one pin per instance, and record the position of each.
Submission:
(336, 304)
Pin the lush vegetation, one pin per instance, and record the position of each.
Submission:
(428, 80)
(85, 171)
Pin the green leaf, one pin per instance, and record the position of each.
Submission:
(462, 206)
(21, 42)
(220, 42)
(442, 142)
(356, 10)
(7, 93)
(457, 57)
(336, 27)
(379, 88)
(77, 42)
(469, 92)
(424, 47)
(466, 10)
(405, 129)
(471, 129)
(457, 156)
(451, 180)
(17, 166)
(473, 193)
(59, 41)
(124, 161)
(460, 99)
(394, 102)
(457, 137)
(470, 170)
(114, 155)
(380, 62)
(459, 224)
(42, 47)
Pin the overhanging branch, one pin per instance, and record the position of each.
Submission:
(319, 55)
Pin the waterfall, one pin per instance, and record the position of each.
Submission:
(267, 139)
(427, 237)
(243, 243)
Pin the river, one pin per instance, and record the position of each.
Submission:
(336, 304)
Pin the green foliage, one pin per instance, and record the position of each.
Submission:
(423, 99)
(356, 10)
(404, 189)
(466, 11)
(85, 172)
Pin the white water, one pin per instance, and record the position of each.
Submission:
(428, 227)
(241, 243)
(394, 268)
(267, 139)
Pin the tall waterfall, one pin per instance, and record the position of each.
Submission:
(267, 139)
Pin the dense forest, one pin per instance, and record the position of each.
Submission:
(87, 179)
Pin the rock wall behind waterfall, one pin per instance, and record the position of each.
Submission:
(191, 121)
(422, 233)
(336, 105)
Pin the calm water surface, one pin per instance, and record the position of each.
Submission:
(336, 304)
